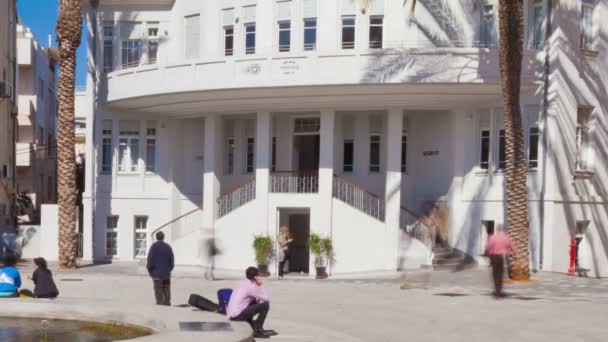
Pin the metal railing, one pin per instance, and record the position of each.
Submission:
(294, 182)
(237, 197)
(416, 227)
(173, 221)
(359, 198)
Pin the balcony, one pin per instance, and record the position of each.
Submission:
(219, 84)
(294, 182)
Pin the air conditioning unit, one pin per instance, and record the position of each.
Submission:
(6, 89)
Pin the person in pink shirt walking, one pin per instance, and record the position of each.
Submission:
(499, 245)
(250, 299)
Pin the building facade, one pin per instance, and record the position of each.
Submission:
(8, 108)
(358, 120)
(37, 120)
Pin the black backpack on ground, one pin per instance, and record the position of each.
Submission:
(202, 303)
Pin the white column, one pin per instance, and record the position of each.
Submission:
(262, 165)
(88, 197)
(211, 183)
(392, 194)
(323, 221)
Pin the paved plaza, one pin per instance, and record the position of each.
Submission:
(432, 306)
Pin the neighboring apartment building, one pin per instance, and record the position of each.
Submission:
(234, 118)
(37, 119)
(82, 110)
(8, 110)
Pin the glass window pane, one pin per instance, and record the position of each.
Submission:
(485, 150)
(348, 156)
(134, 152)
(501, 150)
(122, 155)
(150, 155)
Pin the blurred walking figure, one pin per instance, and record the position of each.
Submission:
(212, 251)
(499, 245)
(284, 251)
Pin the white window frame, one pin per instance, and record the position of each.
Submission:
(130, 166)
(376, 44)
(111, 229)
(404, 153)
(287, 28)
(536, 30)
(348, 168)
(584, 150)
(480, 140)
(309, 46)
(348, 45)
(228, 52)
(192, 51)
(250, 50)
(273, 155)
(138, 231)
(488, 36)
(153, 40)
(230, 154)
(151, 130)
(587, 30)
(106, 136)
(249, 167)
(108, 46)
(375, 168)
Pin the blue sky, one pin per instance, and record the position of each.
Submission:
(41, 17)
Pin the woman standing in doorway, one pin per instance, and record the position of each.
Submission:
(284, 252)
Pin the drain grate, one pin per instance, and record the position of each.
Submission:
(205, 326)
(451, 294)
(70, 279)
(526, 298)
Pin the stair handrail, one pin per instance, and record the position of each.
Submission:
(359, 187)
(229, 205)
(236, 187)
(381, 202)
(174, 220)
(423, 220)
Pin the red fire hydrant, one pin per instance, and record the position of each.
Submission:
(572, 269)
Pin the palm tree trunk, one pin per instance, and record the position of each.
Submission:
(69, 25)
(511, 30)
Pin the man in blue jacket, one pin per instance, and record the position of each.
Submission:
(160, 265)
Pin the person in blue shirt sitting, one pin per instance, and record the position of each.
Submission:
(10, 280)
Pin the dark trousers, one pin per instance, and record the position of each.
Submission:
(498, 268)
(282, 263)
(259, 309)
(162, 291)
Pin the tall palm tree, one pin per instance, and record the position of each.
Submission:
(511, 29)
(69, 25)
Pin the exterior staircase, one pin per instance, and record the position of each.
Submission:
(447, 258)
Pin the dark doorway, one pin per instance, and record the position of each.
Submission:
(299, 226)
(306, 153)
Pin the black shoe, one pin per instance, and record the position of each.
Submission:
(270, 332)
(260, 334)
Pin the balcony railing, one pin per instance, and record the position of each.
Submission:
(416, 227)
(237, 197)
(359, 198)
(294, 182)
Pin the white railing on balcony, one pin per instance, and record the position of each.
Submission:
(237, 197)
(294, 182)
(359, 198)
(416, 227)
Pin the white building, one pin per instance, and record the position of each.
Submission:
(238, 117)
(37, 132)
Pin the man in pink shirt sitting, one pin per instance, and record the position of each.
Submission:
(499, 245)
(248, 300)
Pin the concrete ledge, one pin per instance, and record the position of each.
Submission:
(164, 321)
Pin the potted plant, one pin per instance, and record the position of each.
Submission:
(323, 251)
(263, 247)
